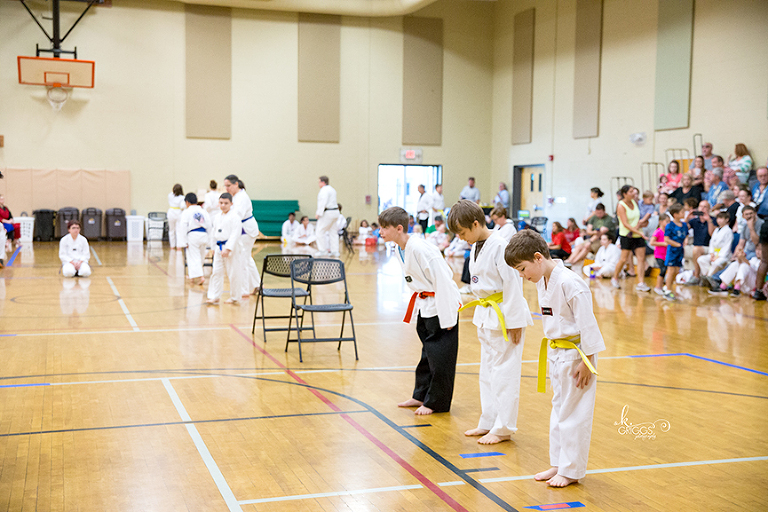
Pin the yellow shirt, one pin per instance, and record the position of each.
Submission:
(633, 218)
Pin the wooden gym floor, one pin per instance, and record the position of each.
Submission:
(125, 392)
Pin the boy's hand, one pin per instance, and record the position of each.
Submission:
(225, 253)
(514, 335)
(582, 375)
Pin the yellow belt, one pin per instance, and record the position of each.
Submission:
(174, 208)
(492, 301)
(559, 343)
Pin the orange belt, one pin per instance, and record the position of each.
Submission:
(412, 304)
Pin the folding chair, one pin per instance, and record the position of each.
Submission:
(347, 237)
(278, 265)
(315, 272)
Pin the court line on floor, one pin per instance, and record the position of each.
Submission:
(694, 356)
(122, 305)
(13, 256)
(330, 494)
(93, 251)
(142, 331)
(213, 469)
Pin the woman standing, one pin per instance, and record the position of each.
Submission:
(175, 205)
(211, 201)
(631, 238)
(502, 197)
(242, 205)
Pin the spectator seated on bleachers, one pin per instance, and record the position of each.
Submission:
(598, 224)
(606, 258)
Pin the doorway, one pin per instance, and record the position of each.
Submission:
(528, 196)
(398, 184)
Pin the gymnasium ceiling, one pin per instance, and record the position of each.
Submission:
(366, 8)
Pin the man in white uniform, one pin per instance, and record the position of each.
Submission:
(423, 207)
(326, 215)
(470, 193)
(438, 202)
(74, 253)
(195, 224)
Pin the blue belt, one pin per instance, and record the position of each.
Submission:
(249, 218)
(221, 243)
(198, 229)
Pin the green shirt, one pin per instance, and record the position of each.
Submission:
(606, 222)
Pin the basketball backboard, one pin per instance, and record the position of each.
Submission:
(56, 72)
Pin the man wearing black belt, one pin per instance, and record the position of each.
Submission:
(326, 215)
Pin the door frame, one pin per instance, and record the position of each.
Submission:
(517, 183)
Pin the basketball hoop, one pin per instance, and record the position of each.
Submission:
(57, 96)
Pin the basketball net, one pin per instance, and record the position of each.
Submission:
(57, 96)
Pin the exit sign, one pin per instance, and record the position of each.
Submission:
(411, 156)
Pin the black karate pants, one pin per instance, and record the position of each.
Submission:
(424, 225)
(465, 275)
(436, 371)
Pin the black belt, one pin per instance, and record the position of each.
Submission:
(199, 229)
(331, 209)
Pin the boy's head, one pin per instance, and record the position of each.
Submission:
(723, 218)
(394, 222)
(225, 202)
(190, 198)
(438, 221)
(291, 216)
(648, 197)
(467, 220)
(527, 252)
(74, 227)
(691, 203)
(676, 211)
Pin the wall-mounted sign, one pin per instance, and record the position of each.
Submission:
(411, 156)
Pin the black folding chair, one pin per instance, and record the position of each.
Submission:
(278, 265)
(315, 272)
(347, 237)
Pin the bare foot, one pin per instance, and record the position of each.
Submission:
(423, 411)
(476, 432)
(492, 439)
(201, 281)
(411, 402)
(246, 296)
(561, 481)
(545, 475)
(230, 301)
(212, 302)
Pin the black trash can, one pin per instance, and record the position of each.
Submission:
(44, 224)
(115, 223)
(65, 215)
(91, 220)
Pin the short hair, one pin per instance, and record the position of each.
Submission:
(600, 206)
(719, 158)
(439, 218)
(213, 184)
(647, 193)
(723, 215)
(675, 208)
(610, 236)
(523, 246)
(422, 186)
(74, 222)
(292, 213)
(394, 216)
(177, 190)
(463, 215)
(471, 178)
(726, 195)
(325, 179)
(191, 198)
(748, 208)
(499, 211)
(439, 185)
(227, 196)
(692, 202)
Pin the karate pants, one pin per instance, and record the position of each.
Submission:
(326, 232)
(249, 273)
(708, 268)
(605, 271)
(500, 369)
(436, 370)
(196, 241)
(173, 225)
(222, 265)
(570, 424)
(741, 272)
(68, 270)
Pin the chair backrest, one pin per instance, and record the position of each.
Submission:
(280, 264)
(539, 222)
(316, 271)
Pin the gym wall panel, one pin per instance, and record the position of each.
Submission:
(118, 192)
(44, 193)
(674, 48)
(69, 191)
(93, 186)
(586, 73)
(208, 72)
(422, 81)
(319, 87)
(18, 190)
(522, 76)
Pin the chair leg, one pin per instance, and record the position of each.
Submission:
(263, 315)
(256, 314)
(298, 339)
(354, 338)
(312, 316)
(290, 319)
(341, 334)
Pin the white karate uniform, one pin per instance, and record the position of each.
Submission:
(175, 205)
(226, 227)
(606, 258)
(328, 212)
(289, 228)
(249, 274)
(304, 235)
(74, 250)
(426, 271)
(507, 231)
(424, 203)
(211, 202)
(438, 204)
(500, 361)
(194, 219)
(457, 247)
(566, 304)
(720, 246)
(744, 273)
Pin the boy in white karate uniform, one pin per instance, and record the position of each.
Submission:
(501, 316)
(175, 205)
(289, 228)
(606, 258)
(74, 252)
(435, 302)
(570, 347)
(224, 239)
(719, 247)
(195, 224)
(305, 233)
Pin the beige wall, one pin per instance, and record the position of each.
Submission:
(134, 117)
(729, 92)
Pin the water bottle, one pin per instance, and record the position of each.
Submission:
(592, 273)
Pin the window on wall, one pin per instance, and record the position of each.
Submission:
(399, 184)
